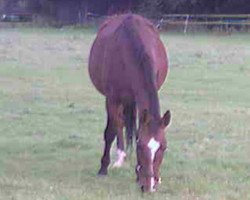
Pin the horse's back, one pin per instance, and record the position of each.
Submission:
(112, 62)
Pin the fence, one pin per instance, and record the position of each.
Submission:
(223, 22)
(183, 22)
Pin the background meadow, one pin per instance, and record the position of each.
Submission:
(52, 119)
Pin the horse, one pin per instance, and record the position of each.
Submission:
(128, 64)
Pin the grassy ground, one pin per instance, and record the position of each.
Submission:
(52, 119)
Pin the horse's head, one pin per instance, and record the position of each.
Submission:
(151, 145)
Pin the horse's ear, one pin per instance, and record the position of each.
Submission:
(145, 117)
(166, 119)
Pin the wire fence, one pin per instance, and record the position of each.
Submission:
(181, 22)
(188, 22)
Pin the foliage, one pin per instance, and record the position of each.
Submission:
(151, 8)
(157, 7)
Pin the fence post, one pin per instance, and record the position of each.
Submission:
(186, 24)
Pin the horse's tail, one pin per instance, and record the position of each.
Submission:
(130, 123)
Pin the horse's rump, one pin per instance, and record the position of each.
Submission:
(123, 43)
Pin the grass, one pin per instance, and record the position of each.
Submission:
(52, 119)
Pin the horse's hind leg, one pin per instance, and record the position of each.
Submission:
(121, 155)
(127, 117)
(130, 124)
(111, 131)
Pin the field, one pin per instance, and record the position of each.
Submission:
(52, 119)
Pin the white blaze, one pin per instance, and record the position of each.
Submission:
(153, 145)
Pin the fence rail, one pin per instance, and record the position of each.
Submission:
(209, 15)
(206, 23)
(224, 21)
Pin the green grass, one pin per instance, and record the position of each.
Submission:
(52, 119)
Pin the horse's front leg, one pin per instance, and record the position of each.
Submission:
(112, 129)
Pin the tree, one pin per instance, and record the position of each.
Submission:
(151, 8)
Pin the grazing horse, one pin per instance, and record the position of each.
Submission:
(128, 64)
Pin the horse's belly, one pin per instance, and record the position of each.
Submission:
(110, 70)
(160, 62)
(105, 79)
(110, 81)
(97, 66)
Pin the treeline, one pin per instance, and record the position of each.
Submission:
(155, 8)
(72, 11)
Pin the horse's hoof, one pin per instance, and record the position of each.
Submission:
(102, 173)
(117, 164)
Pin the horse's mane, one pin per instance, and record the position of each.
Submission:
(129, 29)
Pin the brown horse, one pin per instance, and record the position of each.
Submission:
(128, 64)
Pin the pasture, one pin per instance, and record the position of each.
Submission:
(52, 119)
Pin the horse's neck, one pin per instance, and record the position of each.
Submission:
(149, 101)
